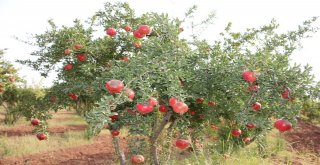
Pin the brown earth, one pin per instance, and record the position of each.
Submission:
(305, 137)
(63, 115)
(27, 130)
(100, 152)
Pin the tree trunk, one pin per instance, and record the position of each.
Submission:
(10, 117)
(154, 138)
(170, 133)
(119, 151)
(154, 153)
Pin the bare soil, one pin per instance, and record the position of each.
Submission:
(27, 130)
(100, 152)
(304, 138)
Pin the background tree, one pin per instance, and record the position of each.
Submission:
(18, 100)
(8, 78)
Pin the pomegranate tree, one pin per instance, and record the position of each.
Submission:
(18, 101)
(171, 87)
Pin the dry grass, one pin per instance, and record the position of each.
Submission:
(65, 118)
(25, 145)
(61, 118)
(28, 144)
(277, 152)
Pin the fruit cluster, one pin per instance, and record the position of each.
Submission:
(41, 135)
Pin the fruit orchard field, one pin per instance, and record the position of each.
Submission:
(164, 99)
(303, 139)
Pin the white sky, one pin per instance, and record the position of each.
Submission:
(20, 17)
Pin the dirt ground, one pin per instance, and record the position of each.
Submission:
(305, 137)
(99, 153)
(27, 130)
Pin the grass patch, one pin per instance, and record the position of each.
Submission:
(65, 118)
(276, 151)
(25, 145)
(20, 122)
(61, 118)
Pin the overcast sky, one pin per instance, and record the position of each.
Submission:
(23, 17)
